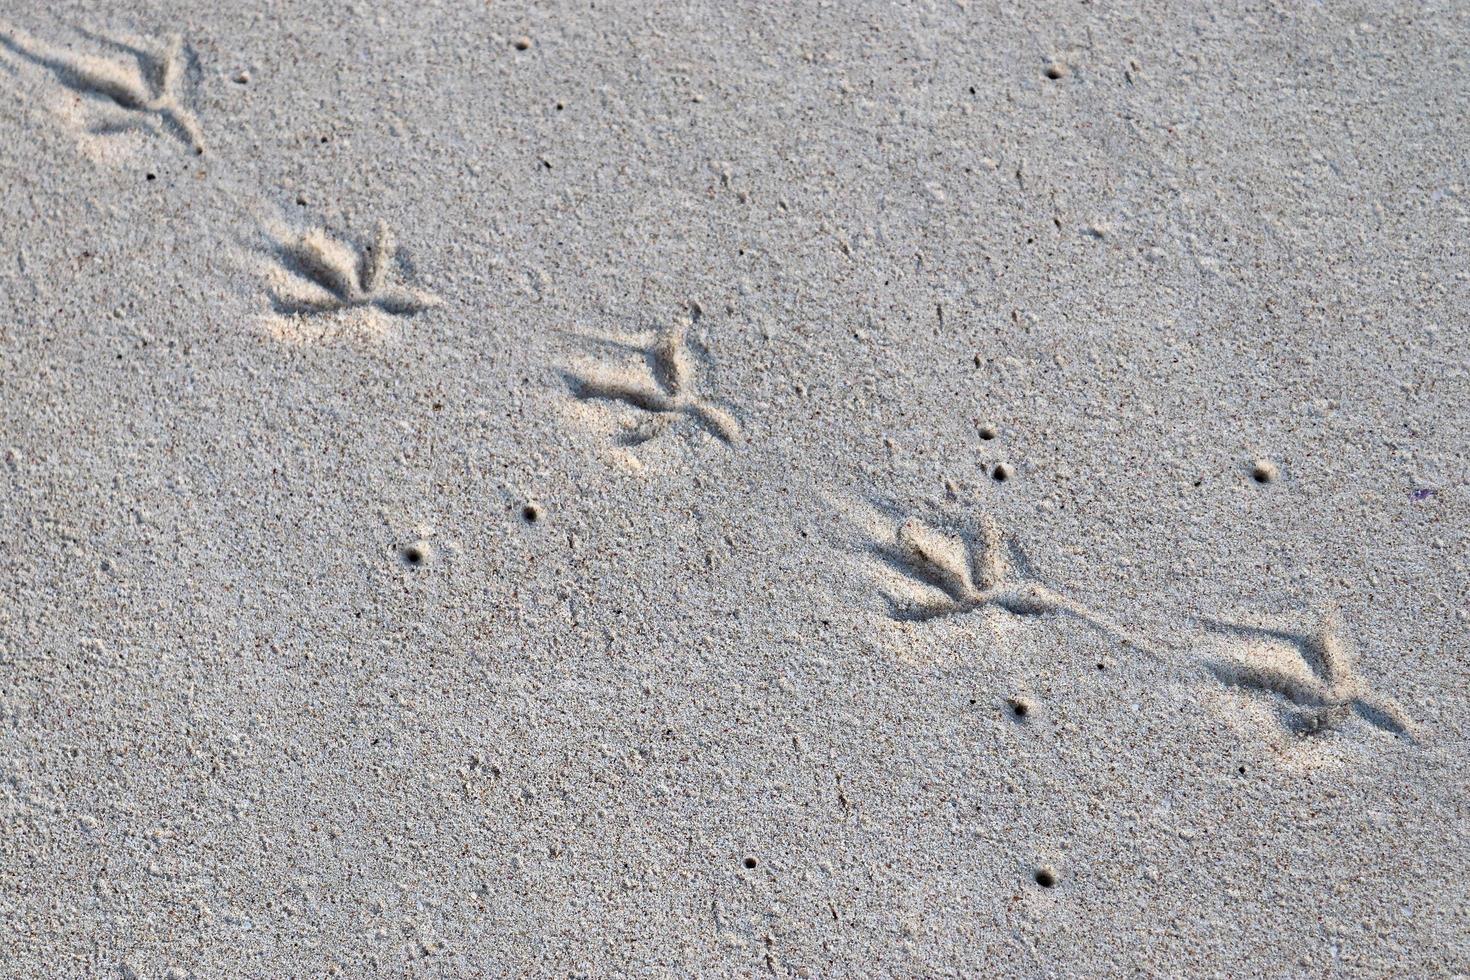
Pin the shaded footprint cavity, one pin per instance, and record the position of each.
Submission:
(1311, 671)
(983, 569)
(667, 389)
(326, 274)
(146, 82)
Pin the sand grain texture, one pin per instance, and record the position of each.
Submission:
(734, 490)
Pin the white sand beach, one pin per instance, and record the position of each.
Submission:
(949, 489)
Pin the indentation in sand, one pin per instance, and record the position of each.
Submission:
(1310, 671)
(141, 89)
(941, 574)
(322, 288)
(665, 387)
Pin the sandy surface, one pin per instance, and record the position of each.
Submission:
(492, 490)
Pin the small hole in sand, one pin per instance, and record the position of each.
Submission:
(1264, 471)
(988, 432)
(413, 555)
(1101, 665)
(1055, 72)
(1002, 472)
(1242, 770)
(531, 513)
(1046, 877)
(750, 862)
(1019, 708)
(523, 43)
(152, 177)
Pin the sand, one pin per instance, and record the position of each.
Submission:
(959, 489)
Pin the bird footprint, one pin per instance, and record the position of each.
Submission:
(1311, 670)
(330, 275)
(952, 576)
(667, 390)
(146, 85)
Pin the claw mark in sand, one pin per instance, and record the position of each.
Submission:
(666, 391)
(1311, 670)
(327, 275)
(147, 85)
(956, 576)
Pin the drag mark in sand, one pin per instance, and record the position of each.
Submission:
(145, 86)
(666, 388)
(325, 275)
(955, 576)
(1312, 671)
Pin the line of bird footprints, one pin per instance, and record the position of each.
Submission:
(1308, 671)
(142, 87)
